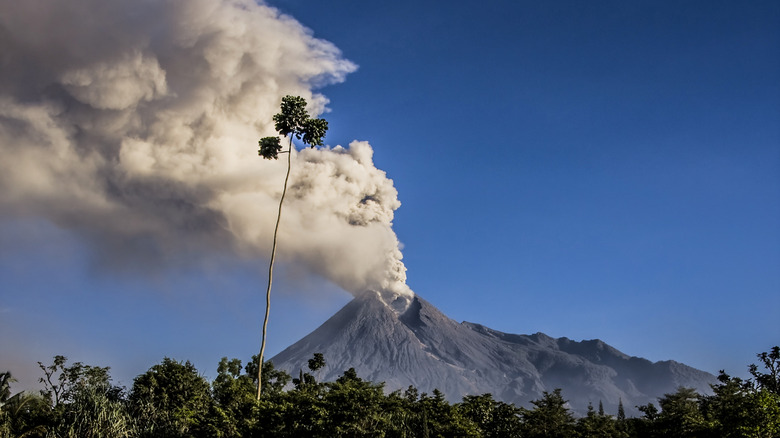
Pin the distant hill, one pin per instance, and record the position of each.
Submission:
(424, 348)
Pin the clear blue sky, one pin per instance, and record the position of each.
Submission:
(590, 170)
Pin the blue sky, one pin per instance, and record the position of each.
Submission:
(591, 170)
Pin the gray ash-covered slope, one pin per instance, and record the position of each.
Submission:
(424, 348)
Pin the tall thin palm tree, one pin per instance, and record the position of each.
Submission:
(292, 121)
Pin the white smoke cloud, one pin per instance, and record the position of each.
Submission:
(135, 124)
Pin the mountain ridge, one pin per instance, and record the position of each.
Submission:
(424, 348)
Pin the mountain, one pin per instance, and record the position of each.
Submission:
(424, 348)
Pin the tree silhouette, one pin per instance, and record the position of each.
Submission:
(292, 121)
(770, 380)
(5, 386)
(549, 418)
(170, 400)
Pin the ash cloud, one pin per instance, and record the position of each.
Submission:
(135, 125)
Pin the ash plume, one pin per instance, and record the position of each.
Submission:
(135, 124)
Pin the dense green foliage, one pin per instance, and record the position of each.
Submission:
(293, 120)
(172, 399)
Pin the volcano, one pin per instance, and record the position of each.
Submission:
(424, 348)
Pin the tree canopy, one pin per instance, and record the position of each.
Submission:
(293, 121)
(172, 399)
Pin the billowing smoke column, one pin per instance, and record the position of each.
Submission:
(135, 124)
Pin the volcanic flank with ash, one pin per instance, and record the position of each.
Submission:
(424, 348)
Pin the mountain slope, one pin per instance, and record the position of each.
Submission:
(424, 348)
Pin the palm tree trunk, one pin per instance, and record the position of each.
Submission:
(271, 274)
